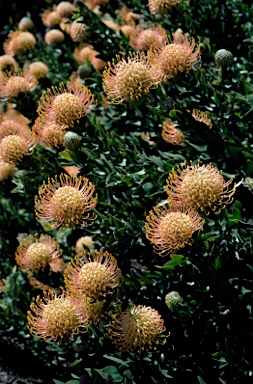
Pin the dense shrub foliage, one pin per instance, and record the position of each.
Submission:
(126, 189)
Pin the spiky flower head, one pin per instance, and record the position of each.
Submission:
(25, 24)
(142, 37)
(54, 36)
(54, 317)
(36, 252)
(223, 58)
(14, 83)
(65, 200)
(162, 6)
(19, 41)
(171, 134)
(139, 328)
(38, 69)
(66, 104)
(50, 18)
(49, 133)
(93, 275)
(171, 228)
(78, 31)
(7, 62)
(65, 9)
(129, 78)
(201, 117)
(201, 187)
(6, 170)
(175, 57)
(173, 300)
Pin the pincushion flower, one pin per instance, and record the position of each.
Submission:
(36, 252)
(93, 275)
(54, 317)
(171, 228)
(142, 38)
(65, 9)
(162, 6)
(54, 36)
(201, 187)
(175, 57)
(139, 328)
(25, 24)
(14, 83)
(66, 104)
(6, 170)
(19, 41)
(49, 133)
(78, 31)
(65, 200)
(129, 78)
(171, 134)
(38, 69)
(51, 18)
(201, 117)
(7, 62)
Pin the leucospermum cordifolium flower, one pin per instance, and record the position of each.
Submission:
(36, 252)
(201, 187)
(171, 134)
(65, 200)
(201, 117)
(54, 36)
(140, 328)
(14, 83)
(38, 69)
(48, 133)
(66, 104)
(171, 228)
(162, 6)
(19, 41)
(130, 78)
(54, 317)
(95, 274)
(143, 37)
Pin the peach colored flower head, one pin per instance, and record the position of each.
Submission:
(54, 317)
(19, 41)
(14, 83)
(66, 104)
(171, 228)
(171, 134)
(127, 30)
(200, 187)
(7, 62)
(142, 38)
(36, 252)
(49, 133)
(65, 9)
(129, 78)
(176, 57)
(202, 117)
(6, 170)
(138, 329)
(78, 31)
(162, 6)
(127, 16)
(38, 69)
(50, 18)
(54, 36)
(93, 275)
(65, 200)
(25, 24)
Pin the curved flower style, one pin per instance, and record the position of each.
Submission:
(178, 56)
(162, 6)
(49, 133)
(171, 134)
(139, 328)
(66, 104)
(65, 200)
(170, 229)
(14, 83)
(201, 117)
(199, 187)
(55, 317)
(19, 41)
(34, 253)
(142, 38)
(130, 78)
(92, 275)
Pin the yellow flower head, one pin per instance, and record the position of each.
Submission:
(19, 41)
(38, 69)
(139, 328)
(170, 229)
(142, 38)
(65, 200)
(14, 83)
(162, 6)
(49, 133)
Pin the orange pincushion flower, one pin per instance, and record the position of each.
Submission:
(171, 134)
(54, 36)
(34, 253)
(78, 31)
(178, 56)
(50, 18)
(55, 317)
(7, 62)
(64, 105)
(65, 9)
(142, 38)
(64, 200)
(49, 133)
(138, 329)
(170, 229)
(25, 24)
(12, 84)
(199, 187)
(162, 6)
(38, 69)
(6, 170)
(19, 41)
(92, 275)
(130, 78)
(202, 117)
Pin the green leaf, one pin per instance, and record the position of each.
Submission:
(201, 380)
(119, 361)
(65, 155)
(76, 362)
(175, 260)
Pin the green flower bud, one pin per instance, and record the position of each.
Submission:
(83, 71)
(72, 141)
(223, 58)
(173, 299)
